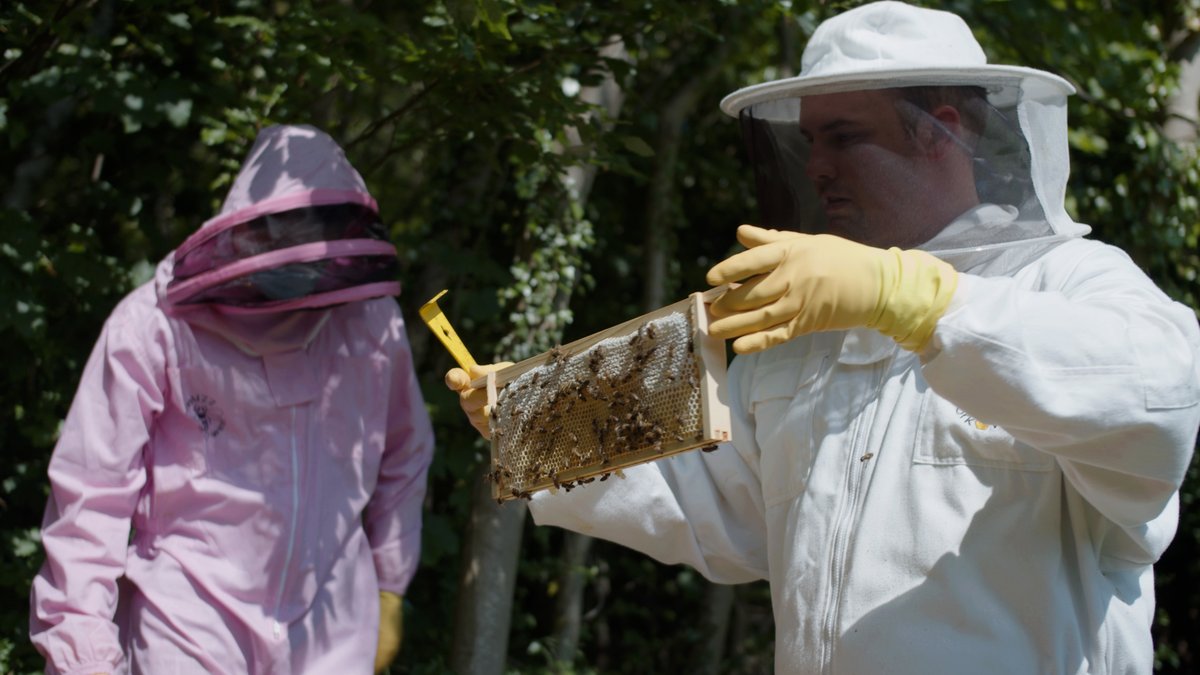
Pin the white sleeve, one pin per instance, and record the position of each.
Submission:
(704, 509)
(1086, 360)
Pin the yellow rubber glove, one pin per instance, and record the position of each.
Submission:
(391, 629)
(474, 401)
(794, 284)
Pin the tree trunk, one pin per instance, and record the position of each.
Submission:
(492, 543)
(492, 550)
(661, 198)
(568, 610)
(1183, 110)
(485, 590)
(659, 249)
(718, 604)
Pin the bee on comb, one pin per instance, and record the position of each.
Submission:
(648, 388)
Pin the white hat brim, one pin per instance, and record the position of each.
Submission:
(1033, 83)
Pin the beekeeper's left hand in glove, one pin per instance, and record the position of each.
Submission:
(793, 284)
(391, 629)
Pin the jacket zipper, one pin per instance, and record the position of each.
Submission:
(856, 468)
(287, 559)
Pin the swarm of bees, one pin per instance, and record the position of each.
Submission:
(586, 412)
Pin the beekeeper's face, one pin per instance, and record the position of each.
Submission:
(877, 178)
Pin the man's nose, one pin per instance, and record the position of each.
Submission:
(820, 168)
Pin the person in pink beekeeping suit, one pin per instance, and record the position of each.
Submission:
(246, 455)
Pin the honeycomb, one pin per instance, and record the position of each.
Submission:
(587, 410)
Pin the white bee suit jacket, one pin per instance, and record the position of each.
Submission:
(994, 508)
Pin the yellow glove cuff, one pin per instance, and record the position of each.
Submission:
(391, 629)
(917, 289)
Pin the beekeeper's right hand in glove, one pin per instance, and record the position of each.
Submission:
(474, 401)
(793, 284)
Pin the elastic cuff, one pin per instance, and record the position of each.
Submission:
(924, 289)
(87, 669)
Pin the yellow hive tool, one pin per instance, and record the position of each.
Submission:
(440, 325)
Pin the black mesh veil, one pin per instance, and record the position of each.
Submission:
(779, 154)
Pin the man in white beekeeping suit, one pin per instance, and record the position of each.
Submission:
(959, 427)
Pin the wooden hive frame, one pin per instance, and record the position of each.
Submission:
(650, 387)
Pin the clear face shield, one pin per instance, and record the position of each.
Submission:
(934, 167)
(305, 257)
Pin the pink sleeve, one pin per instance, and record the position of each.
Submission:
(393, 516)
(96, 475)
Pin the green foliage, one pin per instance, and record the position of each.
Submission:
(122, 122)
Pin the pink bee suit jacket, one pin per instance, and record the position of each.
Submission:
(255, 490)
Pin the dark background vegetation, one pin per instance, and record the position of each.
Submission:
(122, 123)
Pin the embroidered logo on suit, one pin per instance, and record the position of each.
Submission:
(207, 413)
(965, 417)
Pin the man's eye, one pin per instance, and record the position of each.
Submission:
(846, 138)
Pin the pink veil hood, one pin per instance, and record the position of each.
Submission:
(290, 169)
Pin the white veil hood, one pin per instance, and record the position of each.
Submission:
(887, 45)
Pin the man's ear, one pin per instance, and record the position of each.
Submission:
(944, 128)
